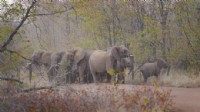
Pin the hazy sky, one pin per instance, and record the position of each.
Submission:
(9, 1)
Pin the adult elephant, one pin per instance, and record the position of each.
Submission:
(60, 70)
(105, 61)
(40, 58)
(51, 62)
(120, 68)
(81, 64)
(153, 69)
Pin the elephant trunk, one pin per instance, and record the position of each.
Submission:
(29, 67)
(132, 66)
(168, 70)
(74, 67)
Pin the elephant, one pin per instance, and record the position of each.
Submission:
(81, 64)
(153, 68)
(61, 63)
(129, 62)
(39, 58)
(102, 61)
(120, 68)
(52, 62)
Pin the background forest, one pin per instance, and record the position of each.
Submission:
(167, 29)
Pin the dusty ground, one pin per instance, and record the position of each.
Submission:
(186, 99)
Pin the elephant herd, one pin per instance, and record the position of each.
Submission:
(83, 66)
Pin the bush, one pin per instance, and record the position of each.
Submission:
(90, 98)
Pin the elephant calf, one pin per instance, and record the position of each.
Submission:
(153, 69)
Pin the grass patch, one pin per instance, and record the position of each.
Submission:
(176, 78)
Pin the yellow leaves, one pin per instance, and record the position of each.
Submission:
(115, 100)
(146, 100)
(111, 72)
(156, 85)
(124, 73)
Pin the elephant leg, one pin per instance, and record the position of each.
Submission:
(109, 77)
(89, 78)
(68, 77)
(81, 75)
(122, 79)
(51, 72)
(94, 76)
(145, 76)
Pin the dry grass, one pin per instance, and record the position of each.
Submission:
(177, 78)
(180, 79)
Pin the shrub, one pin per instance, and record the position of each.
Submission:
(91, 98)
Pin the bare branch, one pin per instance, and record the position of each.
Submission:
(36, 89)
(15, 52)
(53, 13)
(10, 38)
(11, 79)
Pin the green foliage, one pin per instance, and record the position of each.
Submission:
(139, 23)
(9, 16)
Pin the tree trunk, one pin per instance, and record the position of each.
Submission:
(163, 22)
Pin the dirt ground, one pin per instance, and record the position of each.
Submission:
(186, 99)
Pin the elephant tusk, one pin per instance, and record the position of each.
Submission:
(131, 55)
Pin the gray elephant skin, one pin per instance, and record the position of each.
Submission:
(40, 58)
(154, 68)
(81, 64)
(60, 70)
(50, 61)
(120, 68)
(105, 61)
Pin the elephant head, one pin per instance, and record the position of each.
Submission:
(57, 57)
(121, 66)
(163, 64)
(128, 62)
(118, 52)
(78, 54)
(39, 58)
(124, 51)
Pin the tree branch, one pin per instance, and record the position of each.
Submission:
(14, 52)
(53, 13)
(36, 89)
(10, 38)
(11, 79)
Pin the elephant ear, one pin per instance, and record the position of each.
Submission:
(125, 51)
(160, 63)
(79, 54)
(115, 53)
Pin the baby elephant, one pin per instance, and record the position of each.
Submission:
(153, 69)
